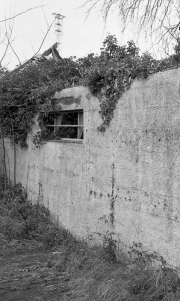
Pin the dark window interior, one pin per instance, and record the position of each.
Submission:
(56, 125)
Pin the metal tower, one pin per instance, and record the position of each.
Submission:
(59, 31)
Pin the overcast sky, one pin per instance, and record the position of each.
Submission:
(80, 36)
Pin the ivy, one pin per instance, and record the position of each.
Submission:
(28, 89)
(112, 73)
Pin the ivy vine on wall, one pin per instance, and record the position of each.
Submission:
(28, 89)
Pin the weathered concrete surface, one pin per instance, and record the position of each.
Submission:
(132, 171)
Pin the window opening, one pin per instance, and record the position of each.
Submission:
(65, 125)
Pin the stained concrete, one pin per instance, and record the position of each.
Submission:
(129, 175)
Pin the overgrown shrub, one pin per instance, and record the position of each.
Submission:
(29, 89)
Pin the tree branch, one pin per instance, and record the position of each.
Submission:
(148, 17)
(25, 11)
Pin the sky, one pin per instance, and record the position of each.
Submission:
(81, 35)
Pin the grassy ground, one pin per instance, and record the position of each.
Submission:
(89, 274)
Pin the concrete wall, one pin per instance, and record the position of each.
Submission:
(132, 170)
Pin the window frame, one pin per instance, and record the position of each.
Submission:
(74, 140)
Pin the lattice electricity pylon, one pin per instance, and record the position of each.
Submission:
(59, 31)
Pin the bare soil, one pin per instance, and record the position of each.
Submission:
(26, 273)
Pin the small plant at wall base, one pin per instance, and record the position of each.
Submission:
(140, 256)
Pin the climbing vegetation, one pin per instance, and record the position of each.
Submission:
(29, 88)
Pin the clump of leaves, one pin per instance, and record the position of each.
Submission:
(111, 73)
(24, 91)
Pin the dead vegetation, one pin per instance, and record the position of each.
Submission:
(89, 272)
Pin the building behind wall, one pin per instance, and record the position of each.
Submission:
(129, 175)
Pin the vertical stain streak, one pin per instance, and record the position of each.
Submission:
(112, 200)
(169, 184)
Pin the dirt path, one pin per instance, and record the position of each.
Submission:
(29, 277)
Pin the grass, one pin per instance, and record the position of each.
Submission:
(22, 220)
(95, 278)
(91, 273)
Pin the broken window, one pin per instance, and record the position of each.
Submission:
(65, 125)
